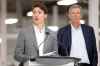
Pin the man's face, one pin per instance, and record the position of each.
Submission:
(74, 14)
(38, 15)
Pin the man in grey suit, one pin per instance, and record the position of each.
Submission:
(37, 39)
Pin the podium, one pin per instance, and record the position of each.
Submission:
(54, 61)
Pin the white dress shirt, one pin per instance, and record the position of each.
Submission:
(40, 36)
(78, 47)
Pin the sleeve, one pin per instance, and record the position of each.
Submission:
(61, 48)
(94, 49)
(20, 48)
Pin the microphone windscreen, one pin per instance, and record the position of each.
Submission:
(47, 33)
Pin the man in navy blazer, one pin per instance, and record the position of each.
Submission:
(77, 40)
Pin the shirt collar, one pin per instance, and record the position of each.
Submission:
(37, 30)
(73, 28)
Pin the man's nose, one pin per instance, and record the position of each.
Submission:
(36, 14)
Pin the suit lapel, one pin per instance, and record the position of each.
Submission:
(33, 37)
(46, 39)
(85, 34)
(69, 39)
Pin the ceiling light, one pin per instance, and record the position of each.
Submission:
(0, 40)
(29, 13)
(67, 2)
(53, 28)
(11, 21)
(82, 21)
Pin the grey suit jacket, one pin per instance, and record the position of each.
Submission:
(27, 48)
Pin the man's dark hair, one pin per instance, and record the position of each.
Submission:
(41, 5)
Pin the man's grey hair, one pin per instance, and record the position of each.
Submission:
(76, 6)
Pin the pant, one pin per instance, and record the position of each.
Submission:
(21, 64)
(83, 64)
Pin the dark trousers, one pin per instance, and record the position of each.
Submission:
(83, 64)
(21, 64)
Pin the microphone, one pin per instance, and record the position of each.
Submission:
(47, 34)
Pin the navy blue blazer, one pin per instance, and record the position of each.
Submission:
(64, 42)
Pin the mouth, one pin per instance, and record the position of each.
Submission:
(36, 19)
